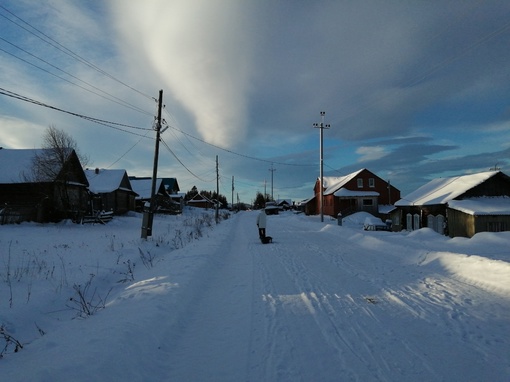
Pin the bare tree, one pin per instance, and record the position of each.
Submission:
(51, 165)
(57, 145)
(61, 143)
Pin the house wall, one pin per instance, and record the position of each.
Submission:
(118, 201)
(467, 225)
(498, 185)
(200, 204)
(460, 224)
(386, 195)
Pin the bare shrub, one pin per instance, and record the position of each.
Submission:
(87, 302)
(9, 342)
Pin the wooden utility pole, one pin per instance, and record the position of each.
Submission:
(272, 172)
(148, 215)
(217, 191)
(321, 126)
(232, 192)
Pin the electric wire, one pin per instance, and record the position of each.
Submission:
(182, 164)
(119, 101)
(239, 154)
(47, 39)
(113, 125)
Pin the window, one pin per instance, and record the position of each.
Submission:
(360, 183)
(371, 182)
(368, 202)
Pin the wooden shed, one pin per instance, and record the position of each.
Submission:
(468, 217)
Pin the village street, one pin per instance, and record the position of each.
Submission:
(321, 305)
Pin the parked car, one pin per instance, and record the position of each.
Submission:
(376, 224)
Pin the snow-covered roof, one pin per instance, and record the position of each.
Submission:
(442, 190)
(385, 208)
(143, 187)
(332, 183)
(16, 165)
(482, 206)
(105, 180)
(344, 192)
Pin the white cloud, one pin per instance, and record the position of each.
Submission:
(369, 153)
(201, 51)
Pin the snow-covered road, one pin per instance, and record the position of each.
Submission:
(322, 303)
(317, 305)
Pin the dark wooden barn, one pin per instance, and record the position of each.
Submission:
(41, 185)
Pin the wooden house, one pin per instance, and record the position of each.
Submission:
(143, 188)
(171, 185)
(110, 190)
(359, 191)
(201, 201)
(41, 185)
(435, 203)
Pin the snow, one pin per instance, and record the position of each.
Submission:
(322, 303)
(332, 183)
(104, 180)
(16, 165)
(442, 190)
(344, 192)
(143, 187)
(482, 205)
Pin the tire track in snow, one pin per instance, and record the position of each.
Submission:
(347, 323)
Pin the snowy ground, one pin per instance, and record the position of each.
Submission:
(210, 303)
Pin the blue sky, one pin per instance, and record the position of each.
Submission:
(412, 90)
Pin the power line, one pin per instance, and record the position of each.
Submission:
(120, 101)
(66, 50)
(113, 125)
(182, 164)
(239, 154)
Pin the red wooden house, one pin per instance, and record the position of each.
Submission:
(359, 191)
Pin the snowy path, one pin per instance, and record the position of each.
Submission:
(303, 310)
(322, 303)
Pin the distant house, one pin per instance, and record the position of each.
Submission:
(111, 190)
(168, 198)
(457, 206)
(143, 188)
(284, 204)
(359, 191)
(38, 185)
(308, 206)
(171, 185)
(201, 201)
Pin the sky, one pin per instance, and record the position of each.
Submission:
(411, 90)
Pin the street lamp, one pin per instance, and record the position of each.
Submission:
(321, 126)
